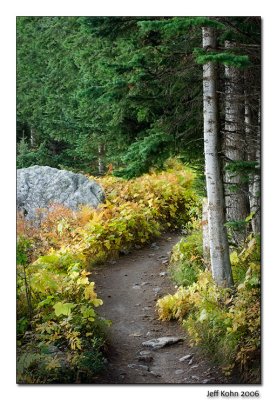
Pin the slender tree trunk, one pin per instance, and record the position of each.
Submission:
(256, 204)
(219, 248)
(236, 197)
(205, 231)
(252, 130)
(101, 153)
(32, 138)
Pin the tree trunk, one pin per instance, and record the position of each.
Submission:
(219, 248)
(101, 153)
(32, 138)
(253, 134)
(205, 231)
(236, 200)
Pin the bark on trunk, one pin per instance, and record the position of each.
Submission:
(101, 153)
(236, 200)
(205, 231)
(254, 154)
(219, 248)
(32, 138)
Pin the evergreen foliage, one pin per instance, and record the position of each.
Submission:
(126, 92)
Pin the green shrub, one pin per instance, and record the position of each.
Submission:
(55, 300)
(187, 259)
(224, 322)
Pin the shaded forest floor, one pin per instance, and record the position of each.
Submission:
(130, 288)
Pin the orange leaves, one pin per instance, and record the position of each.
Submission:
(134, 211)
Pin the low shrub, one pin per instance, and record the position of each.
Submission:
(59, 314)
(187, 259)
(224, 322)
(58, 328)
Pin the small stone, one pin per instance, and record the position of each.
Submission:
(138, 366)
(163, 273)
(195, 377)
(206, 380)
(151, 255)
(112, 262)
(190, 362)
(156, 289)
(138, 304)
(165, 262)
(155, 374)
(179, 371)
(145, 283)
(194, 366)
(145, 352)
(136, 286)
(187, 357)
(162, 342)
(135, 334)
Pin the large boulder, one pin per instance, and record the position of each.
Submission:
(41, 187)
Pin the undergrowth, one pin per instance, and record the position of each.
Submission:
(60, 335)
(224, 322)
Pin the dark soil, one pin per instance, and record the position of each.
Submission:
(130, 287)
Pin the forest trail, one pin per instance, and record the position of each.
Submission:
(130, 287)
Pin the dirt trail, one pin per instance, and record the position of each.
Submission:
(130, 288)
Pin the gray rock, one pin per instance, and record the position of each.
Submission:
(195, 377)
(145, 352)
(206, 380)
(179, 371)
(138, 366)
(157, 375)
(40, 187)
(187, 357)
(162, 342)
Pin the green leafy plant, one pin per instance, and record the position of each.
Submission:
(187, 259)
(224, 322)
(57, 321)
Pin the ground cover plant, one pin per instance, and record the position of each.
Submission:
(224, 322)
(61, 336)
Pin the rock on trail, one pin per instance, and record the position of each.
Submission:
(128, 289)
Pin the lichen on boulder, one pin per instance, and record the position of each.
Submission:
(39, 187)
